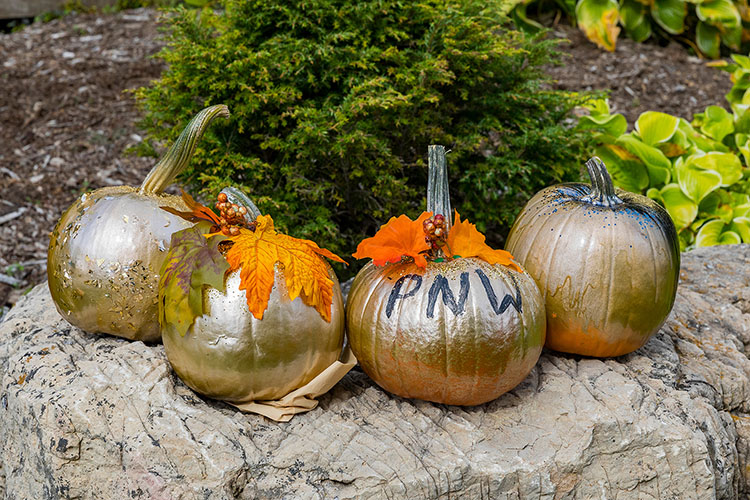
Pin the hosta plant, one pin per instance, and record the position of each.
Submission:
(697, 170)
(710, 23)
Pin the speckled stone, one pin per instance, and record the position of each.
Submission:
(84, 416)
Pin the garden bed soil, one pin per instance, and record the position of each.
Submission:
(67, 118)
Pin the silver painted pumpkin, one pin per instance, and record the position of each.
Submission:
(460, 331)
(606, 261)
(230, 355)
(106, 251)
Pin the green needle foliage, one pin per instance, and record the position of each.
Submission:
(334, 104)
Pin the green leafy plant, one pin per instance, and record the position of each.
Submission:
(710, 23)
(697, 170)
(334, 104)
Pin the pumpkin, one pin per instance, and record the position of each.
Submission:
(458, 331)
(107, 248)
(229, 352)
(606, 261)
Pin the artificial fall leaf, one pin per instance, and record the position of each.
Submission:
(197, 211)
(192, 262)
(399, 237)
(256, 253)
(465, 240)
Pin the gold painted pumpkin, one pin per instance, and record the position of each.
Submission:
(106, 251)
(230, 355)
(229, 352)
(606, 261)
(458, 331)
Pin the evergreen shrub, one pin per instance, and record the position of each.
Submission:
(334, 104)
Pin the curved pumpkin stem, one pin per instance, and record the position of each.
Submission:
(438, 196)
(237, 197)
(602, 190)
(178, 156)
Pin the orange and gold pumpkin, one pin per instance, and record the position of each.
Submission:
(606, 261)
(447, 325)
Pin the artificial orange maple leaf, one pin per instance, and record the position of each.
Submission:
(465, 240)
(256, 253)
(197, 211)
(399, 237)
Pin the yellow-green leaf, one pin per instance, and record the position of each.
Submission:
(682, 209)
(598, 20)
(719, 13)
(708, 39)
(654, 127)
(670, 15)
(627, 171)
(634, 20)
(727, 165)
(696, 182)
(658, 165)
(713, 233)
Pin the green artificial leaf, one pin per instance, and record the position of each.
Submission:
(719, 13)
(727, 165)
(717, 123)
(741, 226)
(193, 261)
(598, 20)
(713, 233)
(654, 127)
(708, 39)
(670, 15)
(682, 209)
(634, 20)
(658, 165)
(696, 182)
(627, 171)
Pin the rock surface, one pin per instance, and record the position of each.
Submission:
(85, 416)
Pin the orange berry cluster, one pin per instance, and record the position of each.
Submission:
(231, 216)
(435, 231)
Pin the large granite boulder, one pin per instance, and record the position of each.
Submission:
(85, 416)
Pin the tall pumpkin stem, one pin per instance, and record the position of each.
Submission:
(178, 156)
(602, 190)
(438, 196)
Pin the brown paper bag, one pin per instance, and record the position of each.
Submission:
(303, 399)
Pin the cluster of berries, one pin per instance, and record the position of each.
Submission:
(436, 234)
(231, 217)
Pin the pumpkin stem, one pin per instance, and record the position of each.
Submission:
(602, 190)
(178, 156)
(237, 197)
(438, 196)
